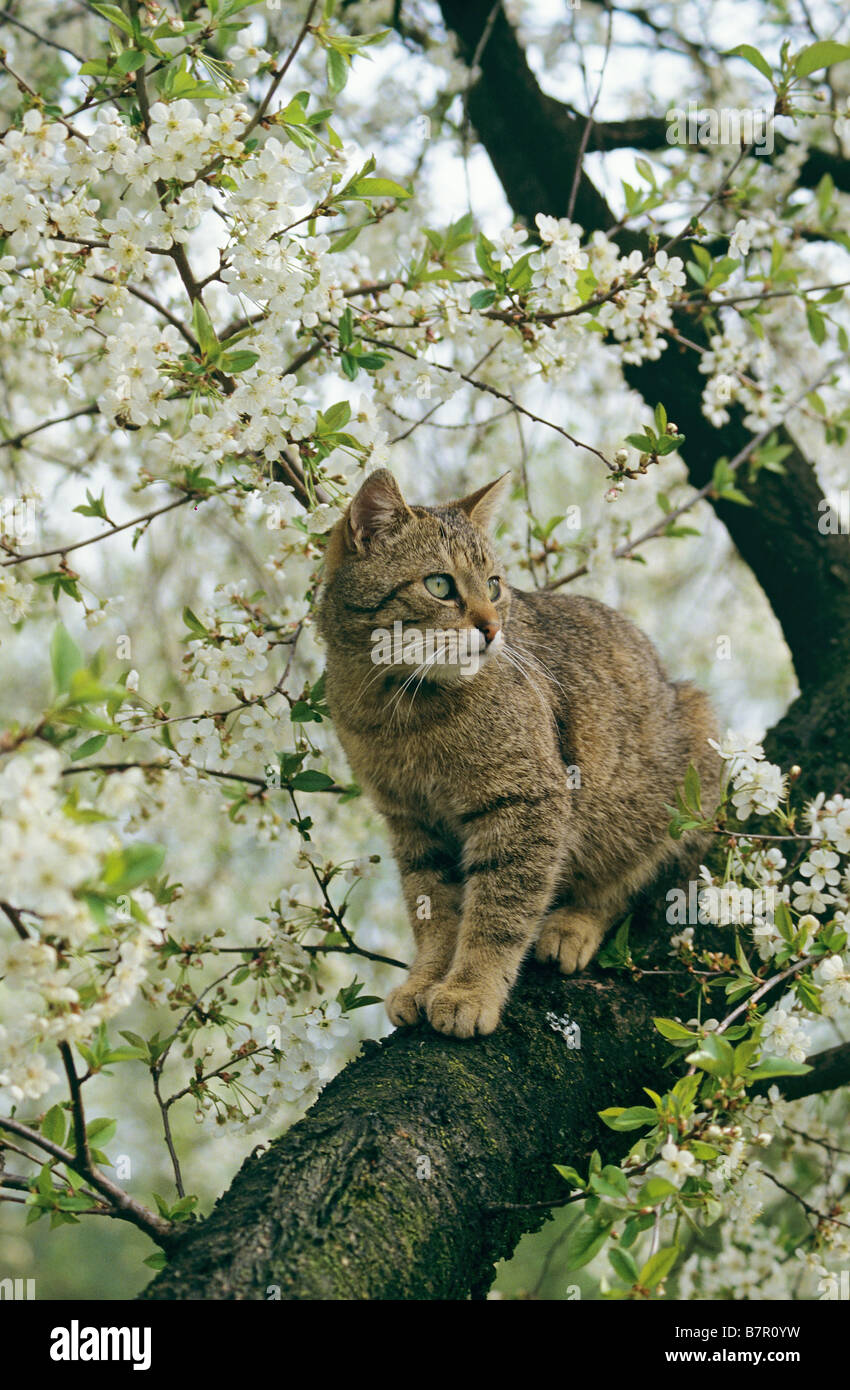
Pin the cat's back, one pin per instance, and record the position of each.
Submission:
(585, 644)
(617, 712)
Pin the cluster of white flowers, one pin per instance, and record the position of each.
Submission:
(784, 1032)
(49, 852)
(750, 1264)
(45, 855)
(302, 1046)
(758, 786)
(736, 367)
(830, 819)
(99, 271)
(677, 1164)
(15, 596)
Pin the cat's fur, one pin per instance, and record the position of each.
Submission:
(476, 775)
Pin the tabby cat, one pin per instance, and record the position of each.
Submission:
(523, 764)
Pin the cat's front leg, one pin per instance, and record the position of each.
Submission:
(511, 864)
(432, 884)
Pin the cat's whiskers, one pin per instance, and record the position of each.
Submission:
(395, 703)
(425, 668)
(369, 680)
(537, 664)
(514, 659)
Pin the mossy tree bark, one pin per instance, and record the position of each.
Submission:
(425, 1160)
(393, 1185)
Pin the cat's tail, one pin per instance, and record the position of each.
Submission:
(698, 724)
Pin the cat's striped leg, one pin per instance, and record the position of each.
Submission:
(511, 862)
(432, 885)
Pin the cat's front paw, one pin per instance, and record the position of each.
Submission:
(461, 1012)
(404, 1005)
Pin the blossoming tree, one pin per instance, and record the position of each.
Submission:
(236, 273)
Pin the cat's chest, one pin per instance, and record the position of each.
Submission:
(417, 774)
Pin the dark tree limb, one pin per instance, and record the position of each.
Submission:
(830, 1070)
(398, 1182)
(649, 133)
(342, 1207)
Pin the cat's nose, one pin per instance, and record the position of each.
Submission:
(489, 627)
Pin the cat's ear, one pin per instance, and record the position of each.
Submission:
(482, 507)
(377, 509)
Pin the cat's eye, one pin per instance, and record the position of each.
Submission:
(494, 589)
(440, 585)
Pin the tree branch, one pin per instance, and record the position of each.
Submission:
(383, 1190)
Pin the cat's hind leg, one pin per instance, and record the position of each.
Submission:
(571, 936)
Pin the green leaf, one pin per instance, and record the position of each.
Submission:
(820, 55)
(633, 1228)
(235, 362)
(583, 1245)
(570, 1175)
(346, 328)
(311, 781)
(128, 867)
(194, 624)
(115, 15)
(482, 299)
(204, 331)
(634, 1117)
(379, 188)
(616, 954)
(777, 1066)
(624, 1264)
(692, 789)
(65, 658)
(91, 745)
(337, 68)
(658, 1266)
(753, 57)
(655, 1190)
(714, 1055)
(96, 68)
(101, 1130)
(335, 417)
(816, 323)
(54, 1125)
(294, 113)
(130, 60)
(669, 1028)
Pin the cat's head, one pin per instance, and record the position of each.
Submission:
(416, 589)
